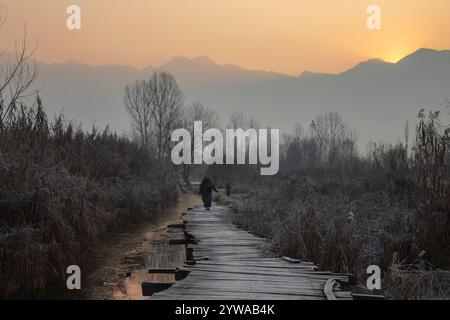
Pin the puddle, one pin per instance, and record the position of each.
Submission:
(125, 259)
(162, 256)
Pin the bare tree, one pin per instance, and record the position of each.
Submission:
(155, 106)
(253, 123)
(330, 144)
(198, 112)
(334, 138)
(237, 120)
(17, 73)
(166, 100)
(138, 106)
(406, 136)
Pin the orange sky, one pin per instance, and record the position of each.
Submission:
(287, 36)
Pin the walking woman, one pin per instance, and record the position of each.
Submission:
(206, 189)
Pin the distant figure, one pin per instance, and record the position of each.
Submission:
(206, 188)
(228, 189)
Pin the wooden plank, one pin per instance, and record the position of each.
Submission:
(226, 262)
(149, 287)
(181, 274)
(290, 260)
(177, 226)
(256, 265)
(206, 295)
(312, 275)
(249, 286)
(259, 277)
(328, 289)
(162, 270)
(359, 296)
(181, 241)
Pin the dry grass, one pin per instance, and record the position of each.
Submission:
(343, 233)
(60, 190)
(417, 280)
(387, 209)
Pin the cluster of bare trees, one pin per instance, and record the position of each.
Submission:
(17, 73)
(157, 107)
(197, 112)
(334, 138)
(329, 144)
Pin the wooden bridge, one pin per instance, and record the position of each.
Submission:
(224, 262)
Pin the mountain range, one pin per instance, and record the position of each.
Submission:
(375, 97)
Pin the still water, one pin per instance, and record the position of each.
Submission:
(124, 261)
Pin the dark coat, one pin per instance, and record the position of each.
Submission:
(206, 188)
(228, 189)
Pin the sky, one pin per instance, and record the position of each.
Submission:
(286, 36)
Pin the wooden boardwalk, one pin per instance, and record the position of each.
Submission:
(225, 262)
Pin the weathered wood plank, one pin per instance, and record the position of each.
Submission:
(328, 289)
(256, 265)
(225, 262)
(149, 287)
(305, 274)
(290, 260)
(177, 226)
(162, 270)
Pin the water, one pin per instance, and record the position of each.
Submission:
(127, 257)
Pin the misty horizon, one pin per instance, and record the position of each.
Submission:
(93, 95)
(225, 150)
(206, 59)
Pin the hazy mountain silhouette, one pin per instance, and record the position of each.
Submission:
(376, 97)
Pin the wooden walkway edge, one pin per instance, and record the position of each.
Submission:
(227, 263)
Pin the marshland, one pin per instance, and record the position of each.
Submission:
(93, 197)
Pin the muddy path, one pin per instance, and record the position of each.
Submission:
(123, 259)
